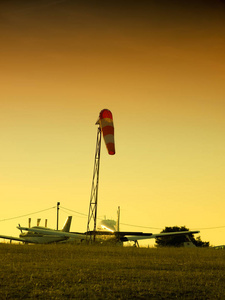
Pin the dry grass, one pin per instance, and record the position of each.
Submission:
(102, 272)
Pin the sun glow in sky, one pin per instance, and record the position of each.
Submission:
(160, 69)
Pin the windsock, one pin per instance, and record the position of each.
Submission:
(106, 123)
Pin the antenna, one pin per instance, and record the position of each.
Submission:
(92, 215)
(57, 217)
(118, 219)
(105, 127)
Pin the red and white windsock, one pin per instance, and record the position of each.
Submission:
(106, 123)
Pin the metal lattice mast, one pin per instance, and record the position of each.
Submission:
(92, 215)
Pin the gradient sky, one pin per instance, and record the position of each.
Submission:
(159, 66)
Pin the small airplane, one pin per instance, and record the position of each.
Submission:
(108, 230)
(44, 235)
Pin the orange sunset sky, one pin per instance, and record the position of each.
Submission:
(159, 66)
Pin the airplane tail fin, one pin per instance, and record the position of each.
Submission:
(118, 219)
(66, 227)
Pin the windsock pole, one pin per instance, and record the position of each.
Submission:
(92, 215)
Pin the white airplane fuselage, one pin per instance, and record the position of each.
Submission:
(37, 238)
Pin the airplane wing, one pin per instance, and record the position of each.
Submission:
(174, 233)
(75, 235)
(141, 236)
(125, 236)
(12, 238)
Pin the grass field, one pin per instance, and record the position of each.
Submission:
(65, 271)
